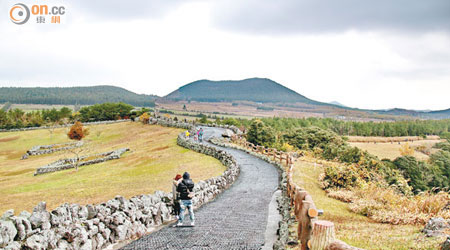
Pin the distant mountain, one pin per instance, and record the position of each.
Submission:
(74, 95)
(438, 114)
(254, 89)
(338, 104)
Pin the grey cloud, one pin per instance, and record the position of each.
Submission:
(313, 16)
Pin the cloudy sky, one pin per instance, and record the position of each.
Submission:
(366, 54)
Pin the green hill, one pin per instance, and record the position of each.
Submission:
(74, 95)
(253, 89)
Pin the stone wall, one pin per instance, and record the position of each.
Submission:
(70, 162)
(168, 122)
(62, 126)
(50, 149)
(73, 226)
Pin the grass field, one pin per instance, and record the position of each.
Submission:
(355, 229)
(153, 161)
(392, 150)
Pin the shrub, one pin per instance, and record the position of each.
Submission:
(406, 150)
(261, 134)
(144, 118)
(77, 132)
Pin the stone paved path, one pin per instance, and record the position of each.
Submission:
(236, 219)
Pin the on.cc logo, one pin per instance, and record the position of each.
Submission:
(19, 13)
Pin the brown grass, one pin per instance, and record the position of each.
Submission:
(390, 139)
(392, 150)
(153, 161)
(355, 229)
(9, 139)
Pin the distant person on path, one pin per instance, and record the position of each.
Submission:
(185, 188)
(187, 134)
(176, 196)
(200, 135)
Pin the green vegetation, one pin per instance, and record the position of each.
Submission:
(74, 96)
(265, 108)
(388, 129)
(153, 161)
(105, 112)
(346, 128)
(360, 166)
(17, 118)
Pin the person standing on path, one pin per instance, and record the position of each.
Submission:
(176, 196)
(200, 135)
(185, 188)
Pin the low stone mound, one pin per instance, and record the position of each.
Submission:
(437, 226)
(50, 149)
(84, 160)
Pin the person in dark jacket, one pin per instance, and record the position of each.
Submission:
(185, 189)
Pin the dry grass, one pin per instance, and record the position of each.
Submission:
(390, 139)
(392, 150)
(153, 160)
(356, 229)
(385, 205)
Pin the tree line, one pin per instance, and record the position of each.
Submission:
(74, 96)
(17, 118)
(353, 128)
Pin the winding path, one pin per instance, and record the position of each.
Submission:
(236, 219)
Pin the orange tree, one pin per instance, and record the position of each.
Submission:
(77, 132)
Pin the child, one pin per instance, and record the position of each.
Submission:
(176, 196)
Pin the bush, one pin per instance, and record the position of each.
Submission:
(415, 171)
(261, 134)
(77, 132)
(105, 112)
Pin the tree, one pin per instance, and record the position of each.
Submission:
(261, 134)
(204, 119)
(77, 132)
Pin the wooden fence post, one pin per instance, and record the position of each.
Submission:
(322, 234)
(309, 213)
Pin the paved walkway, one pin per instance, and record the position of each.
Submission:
(236, 219)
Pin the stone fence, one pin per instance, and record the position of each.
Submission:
(81, 161)
(191, 126)
(50, 149)
(73, 226)
(312, 233)
(63, 126)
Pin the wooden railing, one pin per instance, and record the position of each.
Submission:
(312, 233)
(276, 155)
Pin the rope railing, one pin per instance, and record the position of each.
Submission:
(311, 232)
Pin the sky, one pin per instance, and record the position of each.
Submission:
(362, 53)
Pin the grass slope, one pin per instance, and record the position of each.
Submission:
(358, 230)
(153, 161)
(392, 150)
